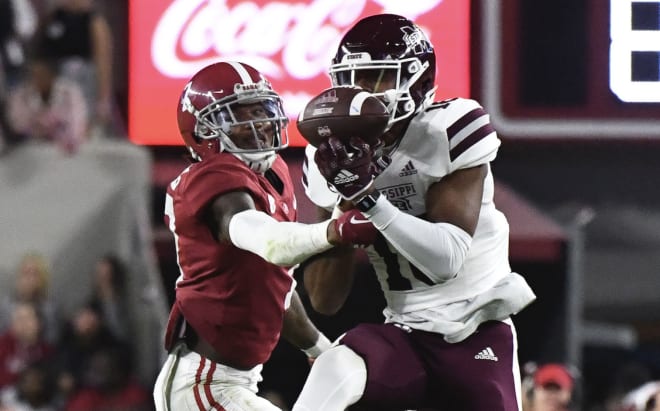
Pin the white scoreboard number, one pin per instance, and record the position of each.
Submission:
(630, 102)
(635, 50)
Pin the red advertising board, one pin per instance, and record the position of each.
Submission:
(290, 42)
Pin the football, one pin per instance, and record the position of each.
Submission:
(343, 112)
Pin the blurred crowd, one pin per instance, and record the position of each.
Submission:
(56, 80)
(560, 387)
(51, 361)
(56, 87)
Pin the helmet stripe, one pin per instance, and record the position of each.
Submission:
(242, 72)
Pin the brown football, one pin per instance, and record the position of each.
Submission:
(343, 112)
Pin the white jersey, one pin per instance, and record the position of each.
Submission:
(446, 137)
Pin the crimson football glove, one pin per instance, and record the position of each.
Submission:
(354, 228)
(347, 167)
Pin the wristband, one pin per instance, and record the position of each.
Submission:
(367, 202)
(322, 344)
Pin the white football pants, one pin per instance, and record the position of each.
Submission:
(190, 382)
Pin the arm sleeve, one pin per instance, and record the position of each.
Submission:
(437, 249)
(281, 243)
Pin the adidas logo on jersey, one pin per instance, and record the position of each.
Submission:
(343, 177)
(486, 354)
(408, 170)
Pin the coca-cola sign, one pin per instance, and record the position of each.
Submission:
(290, 42)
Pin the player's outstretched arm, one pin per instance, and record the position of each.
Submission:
(234, 218)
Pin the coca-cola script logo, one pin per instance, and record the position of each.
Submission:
(290, 42)
(194, 33)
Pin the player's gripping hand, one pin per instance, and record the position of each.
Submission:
(379, 164)
(347, 167)
(379, 160)
(352, 227)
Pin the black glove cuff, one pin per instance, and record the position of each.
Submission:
(367, 202)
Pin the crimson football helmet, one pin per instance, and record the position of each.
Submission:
(391, 48)
(230, 106)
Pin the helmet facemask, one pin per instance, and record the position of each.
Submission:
(400, 100)
(394, 48)
(250, 124)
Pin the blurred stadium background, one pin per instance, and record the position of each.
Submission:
(573, 87)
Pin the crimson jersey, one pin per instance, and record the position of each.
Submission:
(233, 298)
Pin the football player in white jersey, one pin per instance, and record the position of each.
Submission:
(441, 258)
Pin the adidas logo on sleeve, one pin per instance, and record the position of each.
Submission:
(408, 170)
(486, 354)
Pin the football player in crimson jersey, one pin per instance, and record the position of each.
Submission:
(232, 213)
(441, 256)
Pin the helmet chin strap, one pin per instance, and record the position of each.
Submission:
(390, 97)
(400, 102)
(259, 162)
(194, 154)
